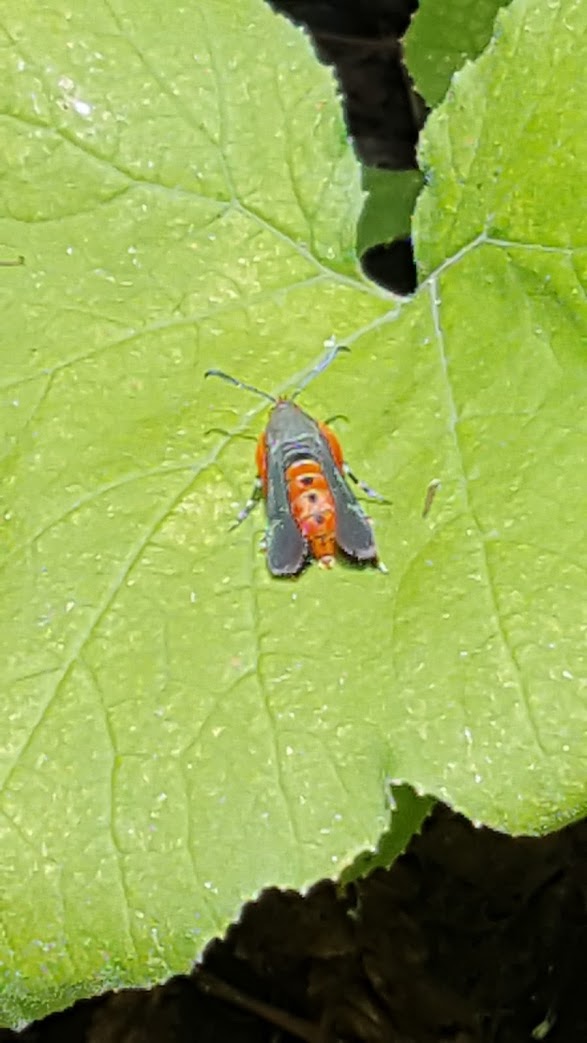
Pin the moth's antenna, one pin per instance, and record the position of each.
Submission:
(320, 367)
(239, 384)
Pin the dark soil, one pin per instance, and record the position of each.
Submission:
(471, 935)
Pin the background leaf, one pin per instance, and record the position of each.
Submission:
(179, 728)
(388, 207)
(442, 35)
(408, 811)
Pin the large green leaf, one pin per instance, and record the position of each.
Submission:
(180, 729)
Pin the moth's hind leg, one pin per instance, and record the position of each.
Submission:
(371, 493)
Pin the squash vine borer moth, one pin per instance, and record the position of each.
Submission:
(301, 474)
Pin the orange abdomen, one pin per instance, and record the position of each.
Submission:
(312, 506)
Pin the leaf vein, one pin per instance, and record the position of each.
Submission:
(489, 583)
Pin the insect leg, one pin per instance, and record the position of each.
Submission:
(365, 488)
(229, 434)
(250, 505)
(337, 416)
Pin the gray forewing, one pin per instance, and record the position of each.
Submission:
(354, 533)
(287, 549)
